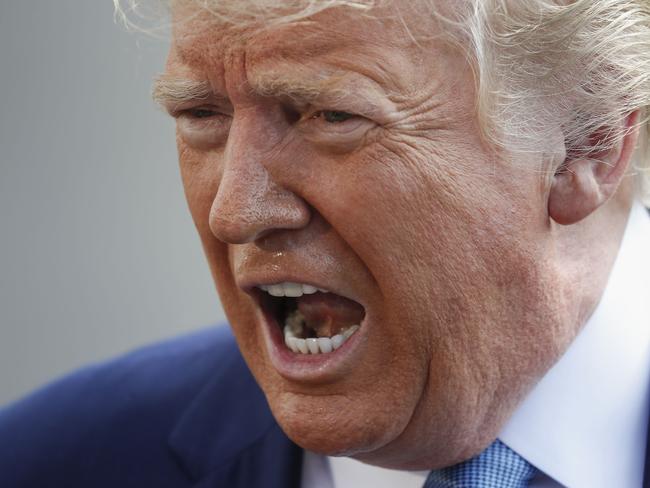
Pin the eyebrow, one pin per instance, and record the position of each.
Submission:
(170, 92)
(301, 90)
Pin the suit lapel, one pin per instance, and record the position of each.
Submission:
(228, 437)
(271, 462)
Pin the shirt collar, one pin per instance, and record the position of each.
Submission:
(585, 422)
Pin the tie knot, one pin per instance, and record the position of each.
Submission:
(496, 467)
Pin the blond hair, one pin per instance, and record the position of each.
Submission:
(582, 64)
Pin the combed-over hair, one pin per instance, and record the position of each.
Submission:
(582, 64)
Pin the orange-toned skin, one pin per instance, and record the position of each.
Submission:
(472, 290)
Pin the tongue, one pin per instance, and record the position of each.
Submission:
(328, 314)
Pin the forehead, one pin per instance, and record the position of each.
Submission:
(374, 44)
(328, 28)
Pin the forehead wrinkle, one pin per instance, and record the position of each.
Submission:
(320, 69)
(328, 78)
(319, 60)
(307, 59)
(367, 71)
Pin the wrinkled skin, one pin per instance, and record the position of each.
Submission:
(468, 286)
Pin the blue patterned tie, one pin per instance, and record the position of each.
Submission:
(496, 467)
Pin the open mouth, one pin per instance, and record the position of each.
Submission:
(312, 320)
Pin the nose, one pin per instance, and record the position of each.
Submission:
(249, 204)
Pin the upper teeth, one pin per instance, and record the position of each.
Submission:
(288, 289)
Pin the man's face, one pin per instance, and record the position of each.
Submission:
(339, 154)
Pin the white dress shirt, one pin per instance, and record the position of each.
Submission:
(584, 425)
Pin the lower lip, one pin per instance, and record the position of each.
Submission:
(324, 367)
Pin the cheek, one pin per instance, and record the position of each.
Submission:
(200, 173)
(402, 214)
(406, 210)
(436, 233)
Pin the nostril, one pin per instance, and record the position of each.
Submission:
(239, 225)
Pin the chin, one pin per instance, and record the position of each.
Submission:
(331, 425)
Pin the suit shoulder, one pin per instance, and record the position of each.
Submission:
(103, 416)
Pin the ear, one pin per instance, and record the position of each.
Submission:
(582, 184)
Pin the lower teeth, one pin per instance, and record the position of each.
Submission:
(316, 345)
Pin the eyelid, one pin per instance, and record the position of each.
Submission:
(177, 109)
(344, 127)
(374, 109)
(314, 116)
(317, 115)
(337, 136)
(188, 113)
(203, 132)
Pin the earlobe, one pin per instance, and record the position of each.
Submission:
(583, 184)
(576, 192)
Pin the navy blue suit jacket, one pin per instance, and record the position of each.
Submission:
(185, 413)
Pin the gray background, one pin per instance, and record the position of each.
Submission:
(97, 250)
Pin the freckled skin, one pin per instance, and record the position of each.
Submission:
(469, 285)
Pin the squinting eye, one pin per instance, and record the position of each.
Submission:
(335, 129)
(332, 116)
(203, 127)
(201, 113)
